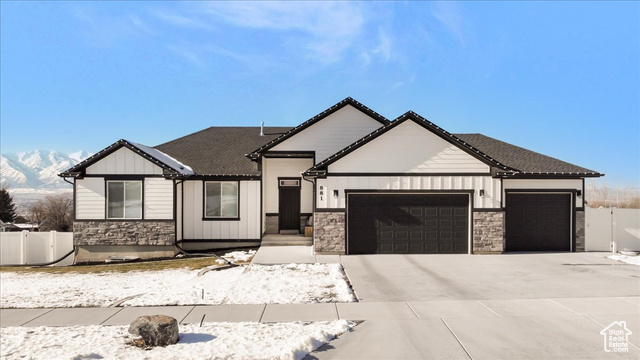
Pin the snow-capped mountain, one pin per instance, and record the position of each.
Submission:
(37, 169)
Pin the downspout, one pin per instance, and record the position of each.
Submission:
(175, 208)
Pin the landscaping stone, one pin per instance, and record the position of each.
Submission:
(156, 330)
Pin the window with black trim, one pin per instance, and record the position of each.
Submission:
(221, 199)
(124, 199)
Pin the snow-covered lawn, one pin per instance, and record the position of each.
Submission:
(211, 341)
(255, 284)
(633, 260)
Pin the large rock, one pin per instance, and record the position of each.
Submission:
(156, 330)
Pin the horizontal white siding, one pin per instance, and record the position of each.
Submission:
(158, 198)
(491, 187)
(124, 162)
(546, 184)
(90, 198)
(332, 133)
(272, 169)
(409, 148)
(248, 227)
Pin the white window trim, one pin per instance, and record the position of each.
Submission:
(124, 200)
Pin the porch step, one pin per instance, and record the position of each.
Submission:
(289, 232)
(287, 243)
(286, 240)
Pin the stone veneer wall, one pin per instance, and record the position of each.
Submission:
(271, 226)
(580, 231)
(329, 232)
(488, 231)
(88, 233)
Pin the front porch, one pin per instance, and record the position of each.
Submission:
(286, 240)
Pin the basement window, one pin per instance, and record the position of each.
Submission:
(124, 199)
(221, 199)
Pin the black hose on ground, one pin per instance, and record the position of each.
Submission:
(183, 251)
(47, 263)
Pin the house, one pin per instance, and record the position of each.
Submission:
(368, 185)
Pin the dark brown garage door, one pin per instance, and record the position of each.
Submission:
(538, 222)
(407, 223)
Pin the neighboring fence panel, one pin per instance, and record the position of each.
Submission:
(626, 234)
(27, 248)
(12, 248)
(598, 227)
(612, 229)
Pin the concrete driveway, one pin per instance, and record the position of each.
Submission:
(513, 306)
(476, 277)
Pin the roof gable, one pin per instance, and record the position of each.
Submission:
(321, 167)
(169, 165)
(347, 101)
(408, 148)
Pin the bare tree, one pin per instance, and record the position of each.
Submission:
(55, 212)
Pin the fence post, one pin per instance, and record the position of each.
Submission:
(25, 247)
(52, 240)
(614, 226)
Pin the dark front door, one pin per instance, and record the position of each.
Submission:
(408, 223)
(538, 222)
(289, 203)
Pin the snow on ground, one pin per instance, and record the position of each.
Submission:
(237, 256)
(292, 283)
(255, 284)
(211, 341)
(633, 260)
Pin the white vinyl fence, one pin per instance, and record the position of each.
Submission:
(29, 248)
(612, 229)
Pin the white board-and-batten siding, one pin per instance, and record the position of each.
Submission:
(123, 162)
(409, 148)
(272, 169)
(491, 187)
(331, 134)
(195, 227)
(91, 199)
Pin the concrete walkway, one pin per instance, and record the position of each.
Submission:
(271, 255)
(567, 328)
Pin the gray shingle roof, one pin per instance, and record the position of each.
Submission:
(526, 161)
(221, 150)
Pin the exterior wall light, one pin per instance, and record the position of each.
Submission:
(481, 192)
(336, 193)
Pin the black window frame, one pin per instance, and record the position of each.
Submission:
(204, 201)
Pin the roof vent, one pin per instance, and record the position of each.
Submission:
(261, 128)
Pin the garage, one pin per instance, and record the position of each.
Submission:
(407, 223)
(538, 222)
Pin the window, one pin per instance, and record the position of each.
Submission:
(221, 199)
(124, 200)
(289, 182)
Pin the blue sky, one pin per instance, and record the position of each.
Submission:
(560, 78)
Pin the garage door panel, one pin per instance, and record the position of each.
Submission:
(538, 222)
(408, 223)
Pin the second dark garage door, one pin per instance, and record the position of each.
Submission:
(408, 223)
(538, 222)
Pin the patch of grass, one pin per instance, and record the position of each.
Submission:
(192, 263)
(189, 263)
